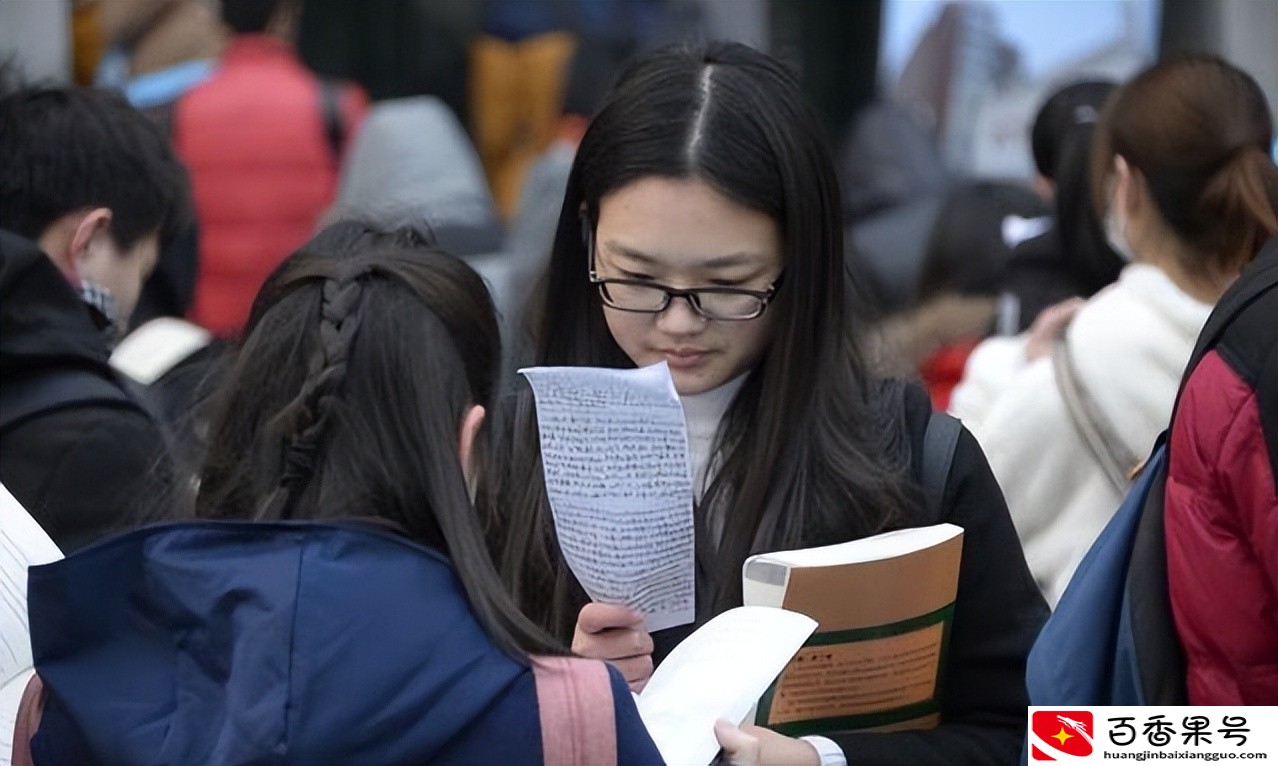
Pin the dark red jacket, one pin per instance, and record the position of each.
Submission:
(1222, 507)
(263, 171)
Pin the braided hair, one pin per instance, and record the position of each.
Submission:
(346, 399)
(304, 420)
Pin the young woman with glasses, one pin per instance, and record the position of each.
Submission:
(702, 226)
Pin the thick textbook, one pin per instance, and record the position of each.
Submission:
(884, 606)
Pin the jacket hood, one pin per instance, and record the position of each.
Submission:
(41, 317)
(412, 163)
(230, 642)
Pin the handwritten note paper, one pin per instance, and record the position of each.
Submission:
(614, 448)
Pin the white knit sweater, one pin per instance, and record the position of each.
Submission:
(703, 412)
(1129, 345)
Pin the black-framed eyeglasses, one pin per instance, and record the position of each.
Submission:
(732, 304)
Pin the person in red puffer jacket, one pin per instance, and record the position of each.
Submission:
(1222, 502)
(262, 138)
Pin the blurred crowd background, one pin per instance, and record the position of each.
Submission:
(936, 110)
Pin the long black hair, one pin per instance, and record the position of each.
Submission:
(1061, 139)
(811, 446)
(346, 399)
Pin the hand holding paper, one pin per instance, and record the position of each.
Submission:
(615, 633)
(720, 671)
(757, 746)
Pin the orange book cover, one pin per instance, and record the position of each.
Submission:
(884, 607)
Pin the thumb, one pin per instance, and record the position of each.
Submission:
(739, 748)
(596, 617)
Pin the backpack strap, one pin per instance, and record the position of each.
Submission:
(1115, 460)
(1260, 277)
(939, 442)
(30, 709)
(575, 705)
(23, 399)
(1161, 666)
(330, 93)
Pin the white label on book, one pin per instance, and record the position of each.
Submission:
(614, 448)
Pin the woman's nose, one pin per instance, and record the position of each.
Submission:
(680, 317)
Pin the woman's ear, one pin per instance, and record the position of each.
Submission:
(1127, 186)
(472, 421)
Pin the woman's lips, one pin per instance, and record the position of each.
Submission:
(684, 358)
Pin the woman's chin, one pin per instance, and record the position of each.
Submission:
(691, 383)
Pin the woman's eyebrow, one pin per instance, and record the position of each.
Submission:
(718, 262)
(632, 254)
(730, 260)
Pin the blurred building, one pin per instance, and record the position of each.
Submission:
(959, 59)
(972, 82)
(1003, 118)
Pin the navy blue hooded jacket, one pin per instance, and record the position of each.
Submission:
(278, 643)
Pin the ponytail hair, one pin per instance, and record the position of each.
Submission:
(346, 400)
(1198, 129)
(1243, 197)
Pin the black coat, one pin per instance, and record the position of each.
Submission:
(1039, 276)
(998, 614)
(1061, 263)
(85, 470)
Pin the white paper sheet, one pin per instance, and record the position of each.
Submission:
(156, 347)
(720, 671)
(22, 544)
(614, 447)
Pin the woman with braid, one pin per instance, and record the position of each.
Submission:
(333, 601)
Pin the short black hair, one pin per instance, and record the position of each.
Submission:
(66, 149)
(249, 16)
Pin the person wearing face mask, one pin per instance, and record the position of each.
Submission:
(1048, 276)
(1179, 171)
(88, 186)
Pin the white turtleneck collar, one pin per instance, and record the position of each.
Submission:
(703, 412)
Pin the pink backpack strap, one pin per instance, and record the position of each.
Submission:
(574, 700)
(28, 721)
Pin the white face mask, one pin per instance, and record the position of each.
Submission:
(100, 298)
(1115, 227)
(1115, 235)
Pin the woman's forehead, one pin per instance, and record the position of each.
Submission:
(681, 222)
